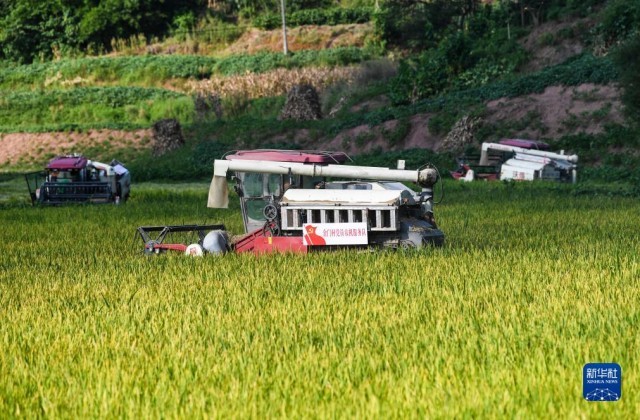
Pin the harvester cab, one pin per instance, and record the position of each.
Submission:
(76, 179)
(261, 193)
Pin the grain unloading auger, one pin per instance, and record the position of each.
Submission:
(292, 202)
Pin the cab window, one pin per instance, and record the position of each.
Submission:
(274, 184)
(252, 185)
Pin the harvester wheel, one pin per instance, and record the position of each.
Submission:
(271, 229)
(270, 212)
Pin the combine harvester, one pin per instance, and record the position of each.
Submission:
(520, 160)
(291, 202)
(76, 179)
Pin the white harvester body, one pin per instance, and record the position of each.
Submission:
(291, 197)
(531, 164)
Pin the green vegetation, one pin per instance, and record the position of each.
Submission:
(620, 20)
(54, 96)
(46, 29)
(154, 70)
(623, 166)
(52, 29)
(584, 69)
(113, 107)
(428, 78)
(627, 60)
(531, 285)
(334, 16)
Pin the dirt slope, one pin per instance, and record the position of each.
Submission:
(553, 43)
(559, 111)
(556, 112)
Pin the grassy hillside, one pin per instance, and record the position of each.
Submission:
(371, 96)
(155, 70)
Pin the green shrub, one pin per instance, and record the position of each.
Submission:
(423, 78)
(547, 39)
(620, 20)
(441, 123)
(399, 133)
(48, 29)
(596, 146)
(626, 59)
(460, 60)
(217, 32)
(413, 25)
(576, 71)
(562, 9)
(485, 72)
(333, 16)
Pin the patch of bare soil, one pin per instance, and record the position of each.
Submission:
(558, 111)
(420, 137)
(366, 139)
(36, 148)
(553, 43)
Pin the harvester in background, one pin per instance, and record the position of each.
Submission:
(76, 179)
(302, 201)
(520, 160)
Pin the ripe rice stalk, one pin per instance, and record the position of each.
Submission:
(534, 281)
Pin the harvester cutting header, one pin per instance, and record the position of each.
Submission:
(299, 201)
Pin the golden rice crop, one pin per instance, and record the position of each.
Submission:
(531, 285)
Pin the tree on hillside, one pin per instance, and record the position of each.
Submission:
(626, 58)
(470, 50)
(29, 29)
(619, 21)
(533, 9)
(417, 23)
(4, 8)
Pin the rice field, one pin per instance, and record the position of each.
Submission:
(533, 283)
